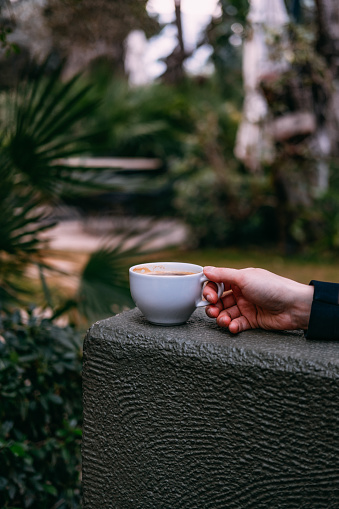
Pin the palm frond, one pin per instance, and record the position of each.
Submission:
(104, 282)
(43, 126)
(21, 221)
(52, 98)
(72, 111)
(12, 281)
(30, 92)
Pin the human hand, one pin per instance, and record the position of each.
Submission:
(257, 298)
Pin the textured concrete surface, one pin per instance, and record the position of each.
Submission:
(192, 417)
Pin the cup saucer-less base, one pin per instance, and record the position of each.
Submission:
(166, 324)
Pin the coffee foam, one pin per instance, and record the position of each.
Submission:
(162, 272)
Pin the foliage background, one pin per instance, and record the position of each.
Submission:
(40, 412)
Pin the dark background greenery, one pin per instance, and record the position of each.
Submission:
(40, 412)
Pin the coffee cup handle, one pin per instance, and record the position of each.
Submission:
(220, 286)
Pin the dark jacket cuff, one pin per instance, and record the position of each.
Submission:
(324, 318)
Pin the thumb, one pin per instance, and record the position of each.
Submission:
(222, 275)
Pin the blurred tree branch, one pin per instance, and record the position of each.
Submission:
(174, 72)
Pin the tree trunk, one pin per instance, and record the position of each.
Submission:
(175, 61)
(291, 108)
(254, 143)
(260, 130)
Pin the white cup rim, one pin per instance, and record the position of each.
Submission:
(170, 266)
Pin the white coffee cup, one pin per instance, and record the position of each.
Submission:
(165, 293)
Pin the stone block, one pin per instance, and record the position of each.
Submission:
(192, 417)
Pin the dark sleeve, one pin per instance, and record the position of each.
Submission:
(324, 318)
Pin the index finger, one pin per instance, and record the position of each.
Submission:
(210, 292)
(222, 275)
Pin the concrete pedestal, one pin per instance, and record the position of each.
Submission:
(191, 417)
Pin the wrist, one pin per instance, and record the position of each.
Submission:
(303, 305)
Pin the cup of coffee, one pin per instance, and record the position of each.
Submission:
(167, 293)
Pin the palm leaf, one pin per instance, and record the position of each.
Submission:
(71, 112)
(51, 99)
(22, 217)
(43, 126)
(104, 282)
(12, 281)
(34, 97)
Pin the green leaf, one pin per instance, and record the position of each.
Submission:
(3, 483)
(18, 449)
(54, 398)
(51, 490)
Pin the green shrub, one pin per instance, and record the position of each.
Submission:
(217, 218)
(40, 413)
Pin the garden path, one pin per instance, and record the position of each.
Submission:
(86, 235)
(72, 241)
